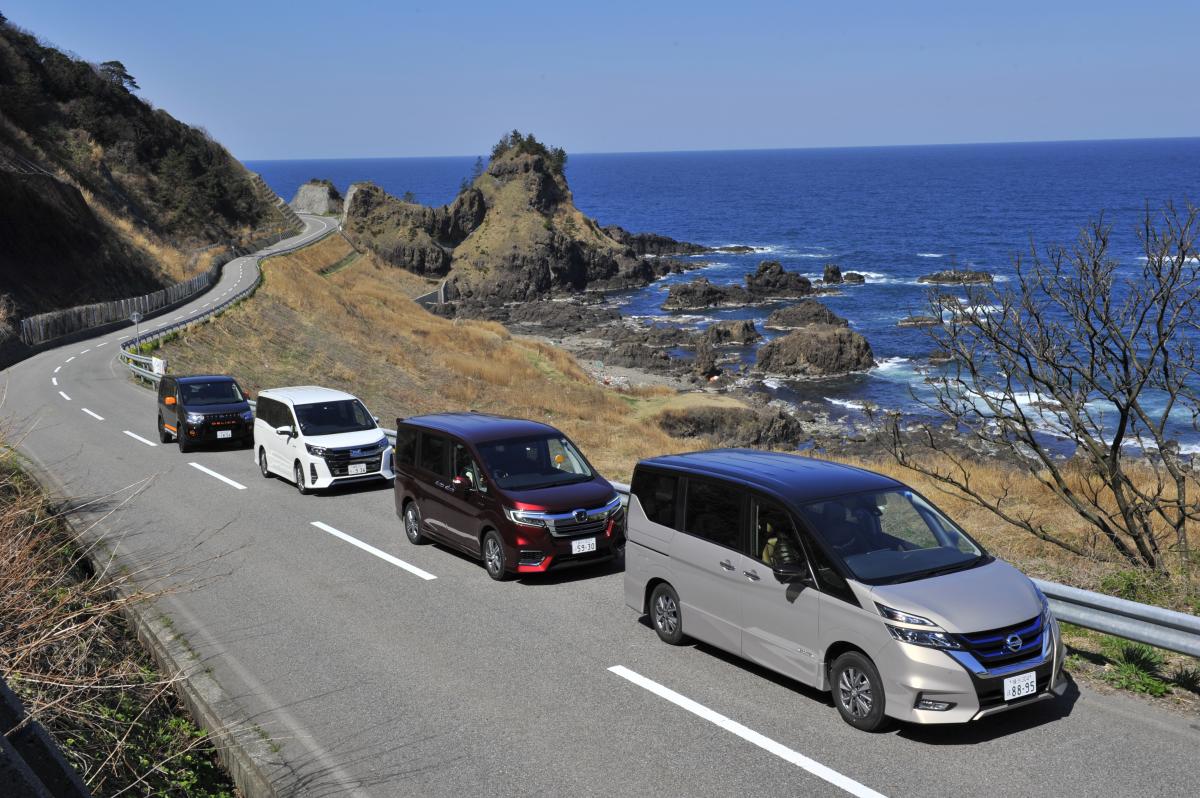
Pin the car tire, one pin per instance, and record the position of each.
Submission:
(412, 524)
(493, 556)
(184, 446)
(163, 435)
(665, 615)
(262, 463)
(858, 691)
(298, 473)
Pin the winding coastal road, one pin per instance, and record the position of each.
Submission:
(380, 668)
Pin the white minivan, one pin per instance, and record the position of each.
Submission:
(319, 437)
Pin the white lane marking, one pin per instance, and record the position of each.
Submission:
(123, 337)
(164, 324)
(64, 396)
(57, 369)
(139, 438)
(369, 549)
(177, 318)
(103, 343)
(749, 735)
(54, 381)
(84, 352)
(96, 416)
(68, 360)
(221, 477)
(206, 304)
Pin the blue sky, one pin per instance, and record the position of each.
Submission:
(302, 79)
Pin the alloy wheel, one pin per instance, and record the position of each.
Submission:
(854, 692)
(666, 614)
(493, 558)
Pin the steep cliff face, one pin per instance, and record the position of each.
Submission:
(514, 233)
(317, 196)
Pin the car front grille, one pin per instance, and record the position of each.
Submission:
(992, 650)
(340, 460)
(223, 419)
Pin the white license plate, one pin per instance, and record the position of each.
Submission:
(357, 468)
(224, 433)
(1020, 686)
(583, 546)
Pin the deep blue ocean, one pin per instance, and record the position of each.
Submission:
(890, 213)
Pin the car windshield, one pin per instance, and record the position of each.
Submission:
(891, 536)
(217, 392)
(332, 418)
(527, 463)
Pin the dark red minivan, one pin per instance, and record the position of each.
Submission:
(516, 494)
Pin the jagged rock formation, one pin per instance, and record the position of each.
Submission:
(734, 426)
(737, 332)
(317, 196)
(853, 277)
(771, 281)
(955, 277)
(653, 244)
(806, 313)
(513, 234)
(833, 273)
(820, 351)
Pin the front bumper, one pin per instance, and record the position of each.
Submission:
(321, 476)
(537, 551)
(912, 673)
(207, 432)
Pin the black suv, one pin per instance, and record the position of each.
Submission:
(203, 409)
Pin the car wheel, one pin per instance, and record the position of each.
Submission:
(665, 616)
(262, 463)
(298, 471)
(163, 435)
(412, 524)
(184, 446)
(493, 556)
(858, 691)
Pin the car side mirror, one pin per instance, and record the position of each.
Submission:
(170, 400)
(793, 572)
(284, 431)
(376, 419)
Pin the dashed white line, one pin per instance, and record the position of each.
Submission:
(206, 304)
(54, 381)
(57, 369)
(68, 360)
(102, 343)
(64, 396)
(123, 337)
(84, 352)
(177, 318)
(369, 549)
(137, 437)
(749, 735)
(164, 324)
(221, 477)
(96, 416)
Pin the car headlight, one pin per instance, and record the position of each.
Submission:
(525, 517)
(195, 418)
(902, 617)
(315, 451)
(247, 415)
(613, 506)
(922, 637)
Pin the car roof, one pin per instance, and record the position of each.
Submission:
(479, 427)
(305, 394)
(793, 477)
(184, 379)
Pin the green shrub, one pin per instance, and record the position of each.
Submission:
(1136, 585)
(1130, 677)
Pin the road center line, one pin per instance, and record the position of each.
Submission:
(54, 381)
(139, 438)
(177, 318)
(56, 369)
(123, 337)
(84, 352)
(68, 360)
(102, 343)
(221, 477)
(369, 549)
(93, 415)
(749, 735)
(64, 396)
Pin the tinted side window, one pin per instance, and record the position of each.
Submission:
(657, 493)
(466, 467)
(166, 387)
(713, 512)
(773, 538)
(435, 454)
(406, 446)
(828, 579)
(265, 410)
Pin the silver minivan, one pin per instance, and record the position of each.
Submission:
(840, 578)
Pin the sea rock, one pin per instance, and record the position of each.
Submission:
(700, 293)
(317, 196)
(771, 280)
(734, 249)
(734, 426)
(940, 356)
(805, 313)
(854, 278)
(919, 321)
(705, 362)
(819, 351)
(664, 337)
(561, 317)
(732, 332)
(956, 277)
(653, 244)
(635, 355)
(833, 273)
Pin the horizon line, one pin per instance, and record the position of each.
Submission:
(749, 149)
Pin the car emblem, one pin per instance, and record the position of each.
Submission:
(580, 515)
(356, 452)
(1013, 643)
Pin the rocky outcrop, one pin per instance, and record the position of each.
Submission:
(734, 426)
(771, 280)
(956, 277)
(833, 274)
(737, 332)
(819, 351)
(919, 321)
(806, 313)
(653, 244)
(317, 196)
(853, 278)
(701, 293)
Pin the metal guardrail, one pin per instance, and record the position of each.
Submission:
(1141, 623)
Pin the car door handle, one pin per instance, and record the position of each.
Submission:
(751, 575)
(727, 565)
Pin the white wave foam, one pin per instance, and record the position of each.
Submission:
(891, 364)
(930, 255)
(774, 385)
(1196, 259)
(849, 404)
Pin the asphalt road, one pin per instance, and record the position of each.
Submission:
(374, 680)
